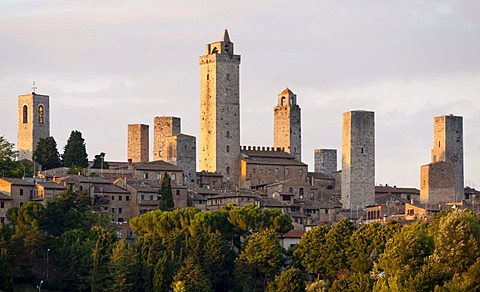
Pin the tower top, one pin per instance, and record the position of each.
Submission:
(226, 37)
(287, 98)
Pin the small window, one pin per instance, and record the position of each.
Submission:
(113, 198)
(228, 134)
(173, 176)
(113, 210)
(2, 205)
(228, 148)
(178, 193)
(286, 171)
(228, 77)
(40, 114)
(21, 192)
(290, 190)
(25, 114)
(228, 170)
(120, 198)
(120, 220)
(21, 204)
(145, 175)
(151, 197)
(120, 210)
(208, 76)
(142, 197)
(127, 198)
(276, 172)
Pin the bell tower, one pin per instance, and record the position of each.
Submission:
(220, 110)
(287, 124)
(33, 122)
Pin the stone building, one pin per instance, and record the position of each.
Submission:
(182, 152)
(163, 127)
(287, 126)
(325, 161)
(138, 142)
(19, 190)
(220, 110)
(33, 122)
(437, 183)
(358, 160)
(448, 147)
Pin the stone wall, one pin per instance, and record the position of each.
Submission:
(138, 142)
(325, 161)
(181, 151)
(358, 160)
(437, 183)
(33, 126)
(164, 127)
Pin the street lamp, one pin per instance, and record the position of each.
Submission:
(40, 286)
(48, 251)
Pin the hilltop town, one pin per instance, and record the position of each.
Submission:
(230, 173)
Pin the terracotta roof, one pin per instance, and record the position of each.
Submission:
(158, 165)
(293, 234)
(17, 181)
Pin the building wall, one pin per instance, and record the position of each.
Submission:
(358, 160)
(325, 161)
(437, 183)
(448, 147)
(138, 142)
(32, 128)
(181, 151)
(287, 124)
(19, 193)
(156, 175)
(220, 111)
(163, 127)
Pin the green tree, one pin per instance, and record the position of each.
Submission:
(46, 153)
(337, 244)
(165, 194)
(99, 161)
(75, 152)
(100, 276)
(262, 256)
(291, 280)
(9, 166)
(123, 266)
(310, 251)
(354, 283)
(193, 277)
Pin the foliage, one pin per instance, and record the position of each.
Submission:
(354, 283)
(165, 194)
(290, 280)
(9, 166)
(46, 153)
(99, 161)
(123, 266)
(309, 251)
(193, 277)
(75, 152)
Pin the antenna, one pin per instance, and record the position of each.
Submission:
(34, 87)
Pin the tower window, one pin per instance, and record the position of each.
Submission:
(228, 77)
(228, 170)
(228, 134)
(25, 114)
(40, 114)
(282, 101)
(208, 76)
(228, 148)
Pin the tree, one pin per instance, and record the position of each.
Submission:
(123, 266)
(291, 280)
(99, 161)
(75, 152)
(192, 276)
(165, 194)
(9, 166)
(310, 251)
(46, 153)
(262, 256)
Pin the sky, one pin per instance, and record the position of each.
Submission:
(106, 64)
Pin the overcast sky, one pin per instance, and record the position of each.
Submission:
(106, 64)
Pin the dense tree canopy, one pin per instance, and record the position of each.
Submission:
(9, 166)
(99, 161)
(165, 196)
(75, 151)
(46, 153)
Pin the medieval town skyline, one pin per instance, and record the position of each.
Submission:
(103, 73)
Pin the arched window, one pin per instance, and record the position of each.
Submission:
(25, 114)
(40, 114)
(228, 134)
(282, 101)
(300, 192)
(290, 190)
(228, 148)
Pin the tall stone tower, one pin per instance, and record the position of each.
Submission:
(325, 161)
(220, 110)
(182, 151)
(138, 142)
(163, 127)
(33, 122)
(358, 159)
(287, 124)
(448, 147)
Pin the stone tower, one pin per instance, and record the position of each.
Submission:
(325, 161)
(33, 122)
(287, 124)
(182, 152)
(138, 142)
(358, 159)
(163, 127)
(448, 147)
(220, 110)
